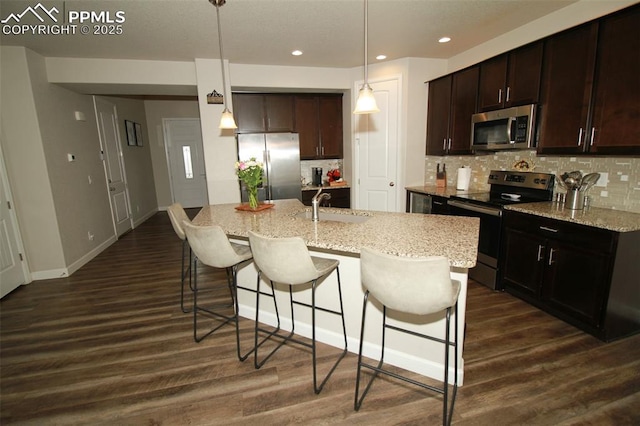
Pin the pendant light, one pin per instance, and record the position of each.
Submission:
(226, 121)
(366, 103)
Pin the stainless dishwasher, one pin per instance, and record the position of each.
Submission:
(417, 202)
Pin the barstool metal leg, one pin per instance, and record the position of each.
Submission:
(447, 410)
(223, 318)
(234, 295)
(184, 273)
(257, 364)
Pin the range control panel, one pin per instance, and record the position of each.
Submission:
(531, 180)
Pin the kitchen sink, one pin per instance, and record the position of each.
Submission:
(334, 217)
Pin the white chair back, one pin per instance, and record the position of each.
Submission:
(414, 285)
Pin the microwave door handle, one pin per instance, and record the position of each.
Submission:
(510, 123)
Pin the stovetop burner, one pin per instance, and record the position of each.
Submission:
(509, 187)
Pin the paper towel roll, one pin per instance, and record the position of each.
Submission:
(464, 177)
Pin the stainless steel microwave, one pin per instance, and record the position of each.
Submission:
(509, 128)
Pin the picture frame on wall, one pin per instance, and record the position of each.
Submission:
(138, 134)
(131, 132)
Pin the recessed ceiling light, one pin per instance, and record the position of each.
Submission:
(444, 40)
(381, 57)
(296, 52)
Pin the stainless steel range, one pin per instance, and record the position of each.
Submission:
(507, 187)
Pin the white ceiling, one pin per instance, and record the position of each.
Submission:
(329, 32)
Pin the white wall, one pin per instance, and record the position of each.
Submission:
(26, 164)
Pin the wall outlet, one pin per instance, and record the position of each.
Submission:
(71, 157)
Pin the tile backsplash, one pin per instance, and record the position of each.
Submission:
(618, 187)
(305, 168)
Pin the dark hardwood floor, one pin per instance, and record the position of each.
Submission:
(109, 345)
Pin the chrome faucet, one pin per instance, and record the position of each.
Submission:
(315, 202)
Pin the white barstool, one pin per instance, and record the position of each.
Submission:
(212, 248)
(177, 216)
(287, 261)
(417, 286)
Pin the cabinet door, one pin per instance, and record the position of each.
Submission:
(279, 113)
(306, 125)
(340, 198)
(567, 73)
(615, 127)
(330, 124)
(523, 79)
(524, 256)
(493, 76)
(575, 282)
(438, 108)
(464, 95)
(248, 110)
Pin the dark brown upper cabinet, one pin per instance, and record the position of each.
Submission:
(615, 124)
(452, 101)
(567, 76)
(589, 98)
(318, 121)
(511, 79)
(257, 112)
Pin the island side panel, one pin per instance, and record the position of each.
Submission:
(417, 355)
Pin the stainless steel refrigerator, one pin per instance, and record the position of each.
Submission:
(280, 153)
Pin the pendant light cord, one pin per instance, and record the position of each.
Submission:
(224, 81)
(366, 36)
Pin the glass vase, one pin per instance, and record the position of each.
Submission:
(252, 191)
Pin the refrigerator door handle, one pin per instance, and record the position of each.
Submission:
(267, 165)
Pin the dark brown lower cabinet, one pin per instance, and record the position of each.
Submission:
(340, 197)
(587, 276)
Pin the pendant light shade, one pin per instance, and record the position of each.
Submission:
(366, 103)
(226, 121)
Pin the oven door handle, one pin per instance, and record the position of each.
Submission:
(474, 208)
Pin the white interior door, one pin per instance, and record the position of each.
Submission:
(377, 150)
(13, 271)
(114, 165)
(183, 142)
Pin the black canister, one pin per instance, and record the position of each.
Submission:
(316, 176)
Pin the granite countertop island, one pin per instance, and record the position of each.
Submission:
(612, 220)
(403, 234)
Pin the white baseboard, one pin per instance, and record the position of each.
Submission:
(65, 272)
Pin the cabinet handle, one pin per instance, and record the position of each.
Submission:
(593, 135)
(444, 144)
(540, 249)
(322, 149)
(544, 228)
(551, 256)
(449, 146)
(499, 96)
(317, 151)
(506, 99)
(580, 137)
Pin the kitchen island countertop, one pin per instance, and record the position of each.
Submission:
(404, 234)
(612, 220)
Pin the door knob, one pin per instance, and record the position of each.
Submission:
(392, 184)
